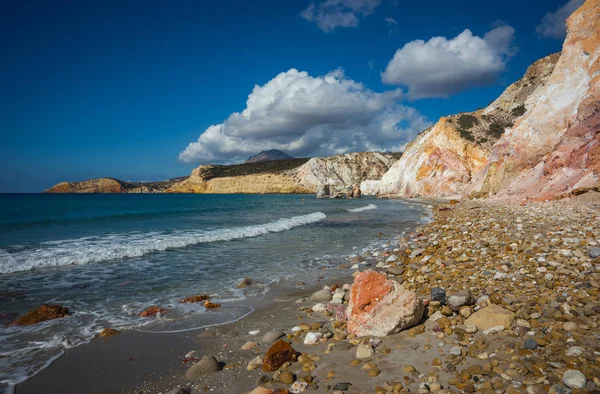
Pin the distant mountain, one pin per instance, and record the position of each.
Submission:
(268, 155)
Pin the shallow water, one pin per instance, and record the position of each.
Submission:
(107, 257)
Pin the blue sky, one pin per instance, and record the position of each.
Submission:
(125, 89)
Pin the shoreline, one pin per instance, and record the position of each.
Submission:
(503, 253)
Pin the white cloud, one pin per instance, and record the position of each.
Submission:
(309, 116)
(338, 13)
(553, 24)
(391, 25)
(442, 66)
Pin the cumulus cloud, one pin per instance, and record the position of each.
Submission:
(553, 24)
(338, 13)
(391, 25)
(309, 116)
(442, 66)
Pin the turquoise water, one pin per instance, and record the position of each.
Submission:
(107, 257)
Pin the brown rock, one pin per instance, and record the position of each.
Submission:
(109, 332)
(280, 353)
(43, 313)
(195, 298)
(211, 305)
(152, 311)
(379, 306)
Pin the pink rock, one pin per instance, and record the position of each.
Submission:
(339, 310)
(249, 345)
(379, 306)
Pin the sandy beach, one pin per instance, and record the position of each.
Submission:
(535, 265)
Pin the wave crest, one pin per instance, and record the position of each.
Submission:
(365, 208)
(110, 247)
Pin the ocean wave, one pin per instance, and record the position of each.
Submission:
(365, 208)
(117, 246)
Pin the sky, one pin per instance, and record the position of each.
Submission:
(149, 90)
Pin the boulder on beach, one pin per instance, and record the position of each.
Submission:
(243, 283)
(280, 353)
(323, 295)
(207, 365)
(152, 311)
(379, 307)
(109, 332)
(43, 313)
(211, 305)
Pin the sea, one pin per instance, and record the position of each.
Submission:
(107, 257)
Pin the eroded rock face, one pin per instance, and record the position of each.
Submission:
(342, 172)
(43, 313)
(443, 160)
(555, 147)
(379, 307)
(101, 185)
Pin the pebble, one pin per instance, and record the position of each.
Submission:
(207, 365)
(530, 343)
(364, 350)
(323, 295)
(254, 332)
(456, 350)
(574, 379)
(272, 336)
(312, 338)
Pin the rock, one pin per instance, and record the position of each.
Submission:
(569, 326)
(280, 353)
(255, 363)
(530, 343)
(594, 252)
(254, 332)
(323, 295)
(272, 336)
(109, 332)
(456, 350)
(491, 316)
(261, 390)
(298, 387)
(344, 386)
(364, 350)
(325, 192)
(207, 365)
(319, 308)
(559, 389)
(287, 377)
(243, 283)
(338, 310)
(379, 306)
(438, 294)
(43, 313)
(249, 345)
(574, 379)
(211, 305)
(195, 298)
(457, 300)
(396, 271)
(493, 330)
(312, 338)
(153, 311)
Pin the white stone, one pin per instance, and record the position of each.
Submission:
(320, 307)
(254, 332)
(312, 338)
(494, 330)
(574, 379)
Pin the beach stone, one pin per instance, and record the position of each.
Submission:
(207, 365)
(459, 299)
(364, 350)
(195, 298)
(249, 345)
(338, 311)
(312, 338)
(491, 316)
(379, 306)
(594, 252)
(243, 283)
(323, 295)
(574, 379)
(319, 308)
(297, 387)
(569, 326)
(530, 343)
(109, 332)
(272, 336)
(438, 294)
(153, 311)
(280, 353)
(456, 350)
(255, 363)
(559, 389)
(261, 390)
(287, 377)
(344, 386)
(43, 313)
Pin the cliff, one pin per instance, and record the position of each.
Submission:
(442, 160)
(341, 172)
(267, 155)
(111, 185)
(554, 149)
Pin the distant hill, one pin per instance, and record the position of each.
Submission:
(268, 155)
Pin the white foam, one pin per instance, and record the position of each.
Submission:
(365, 208)
(116, 246)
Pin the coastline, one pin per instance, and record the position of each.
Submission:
(503, 253)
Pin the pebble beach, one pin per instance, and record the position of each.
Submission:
(509, 299)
